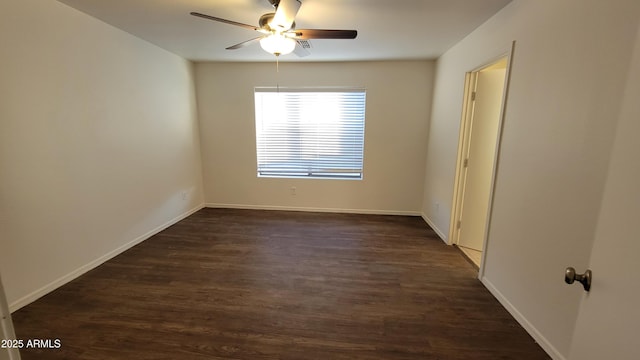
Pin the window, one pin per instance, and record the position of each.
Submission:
(316, 133)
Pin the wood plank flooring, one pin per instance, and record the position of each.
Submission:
(248, 284)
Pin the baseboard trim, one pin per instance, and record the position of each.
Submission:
(438, 232)
(312, 209)
(35, 295)
(532, 330)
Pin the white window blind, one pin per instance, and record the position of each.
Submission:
(310, 132)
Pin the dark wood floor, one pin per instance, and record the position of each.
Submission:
(244, 284)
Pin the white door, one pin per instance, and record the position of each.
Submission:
(6, 329)
(609, 317)
(483, 137)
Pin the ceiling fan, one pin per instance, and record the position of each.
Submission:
(279, 35)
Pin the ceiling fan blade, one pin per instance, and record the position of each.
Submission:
(244, 43)
(304, 34)
(209, 17)
(302, 48)
(285, 14)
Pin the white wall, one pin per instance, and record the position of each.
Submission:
(398, 106)
(568, 73)
(98, 141)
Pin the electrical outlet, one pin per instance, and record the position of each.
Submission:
(293, 190)
(184, 195)
(436, 206)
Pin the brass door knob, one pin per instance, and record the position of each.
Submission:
(585, 279)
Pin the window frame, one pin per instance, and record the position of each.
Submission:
(353, 155)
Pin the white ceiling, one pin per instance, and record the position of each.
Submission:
(387, 29)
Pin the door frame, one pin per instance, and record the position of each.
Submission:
(463, 145)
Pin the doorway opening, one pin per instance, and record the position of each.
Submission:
(484, 100)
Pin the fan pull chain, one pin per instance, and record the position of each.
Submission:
(277, 74)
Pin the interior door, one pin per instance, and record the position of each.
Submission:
(6, 329)
(480, 157)
(607, 325)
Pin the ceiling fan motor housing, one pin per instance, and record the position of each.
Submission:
(265, 20)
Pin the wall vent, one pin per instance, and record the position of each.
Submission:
(304, 43)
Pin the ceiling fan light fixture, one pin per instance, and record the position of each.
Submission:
(278, 29)
(277, 44)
